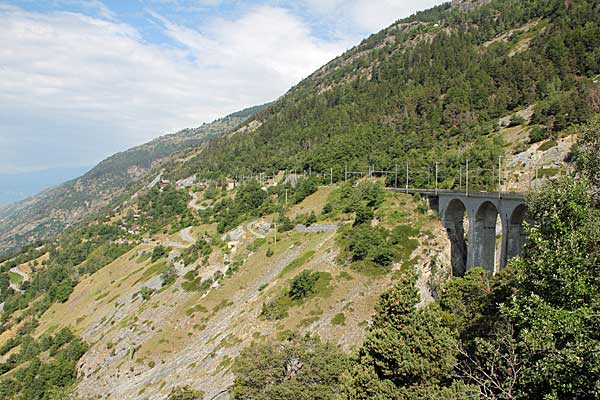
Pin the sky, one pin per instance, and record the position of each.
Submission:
(83, 79)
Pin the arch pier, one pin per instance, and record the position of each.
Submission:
(488, 217)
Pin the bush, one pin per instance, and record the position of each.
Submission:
(202, 248)
(304, 188)
(371, 244)
(197, 285)
(299, 368)
(285, 224)
(312, 218)
(516, 120)
(538, 133)
(169, 275)
(338, 319)
(274, 310)
(185, 393)
(364, 215)
(146, 293)
(303, 285)
(158, 252)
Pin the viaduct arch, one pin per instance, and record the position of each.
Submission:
(472, 226)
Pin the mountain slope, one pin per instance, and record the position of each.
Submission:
(475, 80)
(428, 89)
(48, 213)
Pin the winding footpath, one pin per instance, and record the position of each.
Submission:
(250, 228)
(186, 236)
(194, 202)
(23, 275)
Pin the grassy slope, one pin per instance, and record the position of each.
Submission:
(141, 349)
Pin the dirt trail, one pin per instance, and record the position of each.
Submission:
(186, 236)
(194, 202)
(23, 275)
(250, 229)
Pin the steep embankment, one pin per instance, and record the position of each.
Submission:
(48, 213)
(180, 336)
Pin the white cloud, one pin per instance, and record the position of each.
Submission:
(366, 15)
(74, 88)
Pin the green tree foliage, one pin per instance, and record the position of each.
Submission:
(200, 249)
(251, 196)
(538, 133)
(164, 206)
(371, 244)
(250, 201)
(303, 189)
(364, 214)
(301, 368)
(407, 351)
(43, 367)
(269, 252)
(587, 152)
(557, 307)
(158, 252)
(146, 293)
(303, 285)
(211, 191)
(169, 275)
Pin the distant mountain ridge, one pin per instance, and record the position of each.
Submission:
(56, 208)
(18, 186)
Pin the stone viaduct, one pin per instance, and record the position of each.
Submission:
(471, 220)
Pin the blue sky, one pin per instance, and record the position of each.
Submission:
(82, 79)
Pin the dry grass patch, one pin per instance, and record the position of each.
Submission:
(313, 203)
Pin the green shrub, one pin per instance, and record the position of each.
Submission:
(169, 275)
(264, 370)
(158, 252)
(202, 248)
(364, 215)
(338, 319)
(146, 293)
(538, 133)
(185, 393)
(516, 120)
(303, 285)
(285, 224)
(371, 244)
(274, 310)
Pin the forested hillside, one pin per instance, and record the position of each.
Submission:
(429, 88)
(48, 213)
(288, 287)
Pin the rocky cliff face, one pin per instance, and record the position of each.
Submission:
(468, 5)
